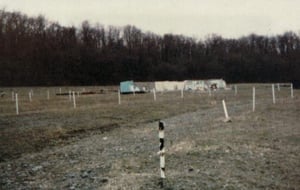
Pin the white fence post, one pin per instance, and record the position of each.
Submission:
(292, 91)
(74, 100)
(17, 104)
(154, 94)
(119, 97)
(227, 118)
(278, 86)
(235, 90)
(273, 94)
(182, 93)
(209, 91)
(30, 99)
(161, 135)
(59, 90)
(253, 99)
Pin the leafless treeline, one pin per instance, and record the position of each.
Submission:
(35, 51)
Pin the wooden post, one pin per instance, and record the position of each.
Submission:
(253, 99)
(161, 135)
(74, 100)
(292, 91)
(119, 97)
(17, 104)
(273, 94)
(154, 94)
(227, 118)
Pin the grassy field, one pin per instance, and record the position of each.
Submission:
(252, 152)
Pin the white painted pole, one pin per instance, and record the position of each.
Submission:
(273, 94)
(78, 94)
(13, 96)
(119, 97)
(278, 86)
(133, 91)
(48, 95)
(154, 94)
(74, 100)
(292, 91)
(30, 99)
(182, 93)
(253, 101)
(31, 92)
(161, 135)
(227, 119)
(17, 104)
(59, 90)
(235, 90)
(209, 91)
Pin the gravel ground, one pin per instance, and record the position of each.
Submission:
(258, 150)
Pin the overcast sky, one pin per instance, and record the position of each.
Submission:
(195, 18)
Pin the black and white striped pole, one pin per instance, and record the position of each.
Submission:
(161, 135)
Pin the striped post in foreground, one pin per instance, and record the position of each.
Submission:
(161, 135)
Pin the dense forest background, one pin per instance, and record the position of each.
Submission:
(35, 51)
